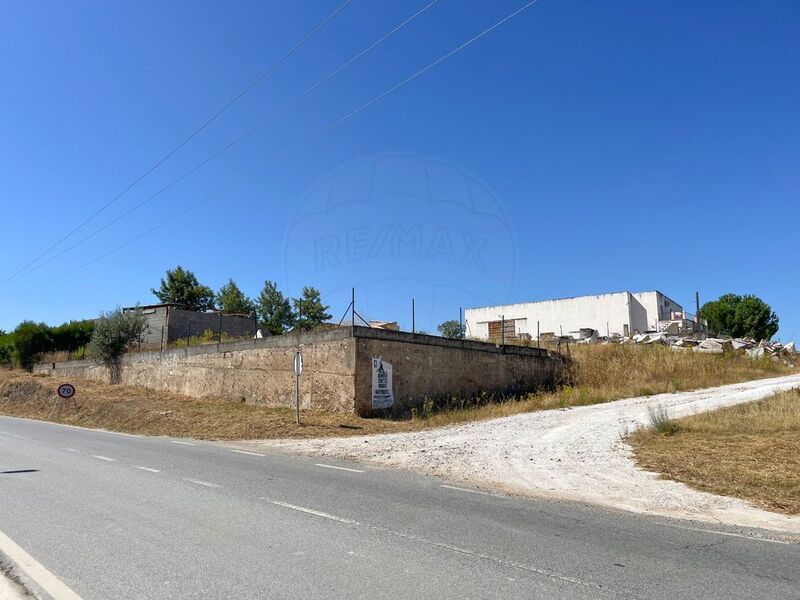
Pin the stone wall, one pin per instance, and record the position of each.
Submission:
(337, 369)
(425, 366)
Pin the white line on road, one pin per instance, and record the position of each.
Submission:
(183, 443)
(148, 469)
(246, 452)
(460, 489)
(205, 483)
(316, 513)
(75, 450)
(106, 458)
(339, 468)
(730, 534)
(35, 571)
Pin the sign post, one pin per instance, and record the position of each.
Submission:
(298, 369)
(65, 391)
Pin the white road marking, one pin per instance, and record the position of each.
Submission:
(75, 450)
(148, 469)
(35, 571)
(205, 483)
(83, 428)
(316, 513)
(183, 443)
(731, 534)
(246, 452)
(106, 458)
(339, 468)
(460, 489)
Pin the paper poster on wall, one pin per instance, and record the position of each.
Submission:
(382, 395)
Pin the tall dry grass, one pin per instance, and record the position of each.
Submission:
(750, 451)
(601, 373)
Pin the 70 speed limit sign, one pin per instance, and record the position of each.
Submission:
(66, 390)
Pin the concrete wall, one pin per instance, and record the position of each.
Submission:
(432, 367)
(177, 324)
(658, 306)
(337, 370)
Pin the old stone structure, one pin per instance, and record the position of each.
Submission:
(337, 372)
(167, 323)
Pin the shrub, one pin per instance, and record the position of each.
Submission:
(113, 333)
(31, 340)
(660, 420)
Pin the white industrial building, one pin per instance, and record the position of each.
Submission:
(619, 313)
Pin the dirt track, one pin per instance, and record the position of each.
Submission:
(573, 453)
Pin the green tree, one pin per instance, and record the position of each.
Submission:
(231, 299)
(274, 310)
(451, 329)
(740, 316)
(309, 312)
(181, 288)
(113, 333)
(71, 336)
(6, 348)
(31, 340)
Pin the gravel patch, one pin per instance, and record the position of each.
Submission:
(576, 454)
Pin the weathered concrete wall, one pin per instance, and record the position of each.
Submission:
(427, 366)
(337, 369)
(258, 372)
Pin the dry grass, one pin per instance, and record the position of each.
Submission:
(137, 410)
(600, 374)
(751, 451)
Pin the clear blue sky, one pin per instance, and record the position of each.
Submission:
(583, 147)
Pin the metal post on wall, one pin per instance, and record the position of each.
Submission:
(413, 317)
(162, 339)
(461, 322)
(502, 330)
(538, 344)
(188, 335)
(219, 332)
(353, 307)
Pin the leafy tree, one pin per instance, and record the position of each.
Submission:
(274, 310)
(71, 336)
(230, 299)
(451, 329)
(6, 348)
(740, 316)
(309, 310)
(113, 332)
(31, 340)
(181, 288)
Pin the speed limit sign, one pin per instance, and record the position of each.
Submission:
(66, 390)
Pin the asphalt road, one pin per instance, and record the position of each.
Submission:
(115, 516)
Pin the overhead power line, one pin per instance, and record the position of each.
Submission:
(185, 141)
(236, 140)
(289, 150)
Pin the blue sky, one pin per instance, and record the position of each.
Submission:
(582, 147)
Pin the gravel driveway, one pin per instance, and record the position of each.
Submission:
(573, 453)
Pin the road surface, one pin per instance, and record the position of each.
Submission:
(114, 516)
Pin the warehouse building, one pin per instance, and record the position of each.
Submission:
(618, 313)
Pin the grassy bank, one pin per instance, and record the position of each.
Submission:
(750, 451)
(599, 374)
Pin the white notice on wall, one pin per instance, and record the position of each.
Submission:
(382, 396)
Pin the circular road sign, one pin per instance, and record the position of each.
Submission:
(66, 390)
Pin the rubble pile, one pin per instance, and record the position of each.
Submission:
(694, 343)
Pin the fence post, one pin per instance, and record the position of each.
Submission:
(413, 317)
(219, 331)
(162, 340)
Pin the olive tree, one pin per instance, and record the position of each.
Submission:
(113, 333)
